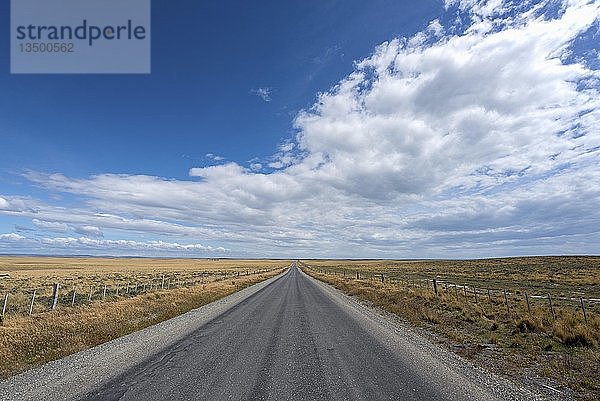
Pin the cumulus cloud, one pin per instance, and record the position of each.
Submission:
(11, 237)
(476, 137)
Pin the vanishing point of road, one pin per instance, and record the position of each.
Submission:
(292, 338)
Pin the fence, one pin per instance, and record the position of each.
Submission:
(509, 297)
(77, 291)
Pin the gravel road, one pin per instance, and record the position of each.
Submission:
(288, 338)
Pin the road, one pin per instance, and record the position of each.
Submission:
(293, 339)
(290, 341)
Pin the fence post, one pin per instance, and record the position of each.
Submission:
(475, 293)
(465, 291)
(162, 284)
(117, 291)
(55, 295)
(489, 296)
(91, 292)
(456, 291)
(357, 276)
(435, 287)
(382, 277)
(31, 304)
(582, 308)
(73, 299)
(104, 293)
(5, 304)
(506, 300)
(551, 307)
(527, 300)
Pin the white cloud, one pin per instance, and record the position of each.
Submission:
(90, 231)
(214, 157)
(69, 245)
(50, 225)
(11, 237)
(473, 141)
(264, 93)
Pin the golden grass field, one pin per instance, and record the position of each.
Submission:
(20, 276)
(560, 275)
(561, 349)
(28, 341)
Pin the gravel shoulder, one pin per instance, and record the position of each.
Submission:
(289, 337)
(436, 364)
(74, 376)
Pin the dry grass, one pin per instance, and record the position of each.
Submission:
(563, 351)
(26, 342)
(559, 273)
(20, 276)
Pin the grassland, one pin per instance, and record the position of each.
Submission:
(28, 341)
(87, 277)
(531, 345)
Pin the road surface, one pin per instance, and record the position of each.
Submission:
(294, 338)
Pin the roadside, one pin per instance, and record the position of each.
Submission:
(500, 344)
(30, 341)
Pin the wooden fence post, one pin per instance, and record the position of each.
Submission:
(5, 304)
(465, 291)
(475, 293)
(489, 296)
(456, 291)
(73, 299)
(582, 308)
(104, 293)
(382, 277)
(357, 276)
(91, 292)
(162, 284)
(527, 300)
(55, 295)
(551, 307)
(435, 288)
(506, 301)
(31, 304)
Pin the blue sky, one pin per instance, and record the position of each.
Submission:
(316, 128)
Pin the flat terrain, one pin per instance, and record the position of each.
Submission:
(101, 299)
(24, 271)
(533, 319)
(289, 338)
(558, 275)
(87, 277)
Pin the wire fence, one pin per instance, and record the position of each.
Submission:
(18, 298)
(514, 298)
